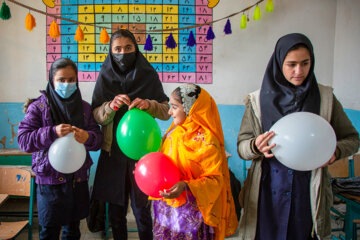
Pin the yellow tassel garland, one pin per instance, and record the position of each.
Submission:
(54, 31)
(104, 36)
(30, 22)
(79, 35)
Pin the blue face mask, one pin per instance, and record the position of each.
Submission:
(65, 90)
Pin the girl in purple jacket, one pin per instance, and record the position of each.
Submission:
(62, 199)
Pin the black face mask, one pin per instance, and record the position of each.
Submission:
(125, 61)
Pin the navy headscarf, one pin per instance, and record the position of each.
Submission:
(279, 97)
(69, 110)
(140, 81)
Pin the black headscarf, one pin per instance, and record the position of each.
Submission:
(69, 110)
(279, 97)
(141, 81)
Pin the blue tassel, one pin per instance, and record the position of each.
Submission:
(148, 45)
(170, 42)
(210, 34)
(227, 28)
(191, 41)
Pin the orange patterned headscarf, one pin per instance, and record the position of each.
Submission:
(197, 148)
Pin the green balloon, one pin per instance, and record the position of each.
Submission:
(138, 134)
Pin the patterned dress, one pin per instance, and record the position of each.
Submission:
(184, 222)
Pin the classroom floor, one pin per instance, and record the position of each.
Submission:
(21, 205)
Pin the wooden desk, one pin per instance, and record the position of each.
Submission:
(14, 156)
(17, 181)
(3, 198)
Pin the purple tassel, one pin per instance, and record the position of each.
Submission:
(148, 45)
(210, 34)
(191, 41)
(170, 42)
(227, 28)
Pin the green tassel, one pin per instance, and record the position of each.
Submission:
(243, 22)
(269, 6)
(5, 12)
(257, 13)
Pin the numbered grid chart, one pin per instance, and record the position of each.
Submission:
(182, 64)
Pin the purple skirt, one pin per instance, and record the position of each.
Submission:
(184, 222)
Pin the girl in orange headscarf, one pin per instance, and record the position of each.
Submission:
(200, 206)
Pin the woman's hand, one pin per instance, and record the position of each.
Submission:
(331, 161)
(119, 100)
(80, 135)
(261, 142)
(174, 192)
(140, 104)
(63, 129)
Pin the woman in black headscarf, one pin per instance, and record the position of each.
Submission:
(126, 80)
(278, 202)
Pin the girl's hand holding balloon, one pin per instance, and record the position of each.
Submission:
(140, 104)
(261, 142)
(175, 191)
(119, 100)
(63, 129)
(331, 161)
(80, 135)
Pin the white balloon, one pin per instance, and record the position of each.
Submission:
(66, 155)
(304, 141)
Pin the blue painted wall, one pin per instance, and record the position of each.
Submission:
(231, 116)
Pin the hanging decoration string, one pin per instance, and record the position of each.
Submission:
(137, 30)
(52, 15)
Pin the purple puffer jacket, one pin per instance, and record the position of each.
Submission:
(37, 133)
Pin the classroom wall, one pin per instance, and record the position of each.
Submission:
(239, 59)
(346, 54)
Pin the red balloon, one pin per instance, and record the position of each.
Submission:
(156, 172)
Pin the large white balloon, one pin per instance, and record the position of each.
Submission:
(66, 155)
(304, 141)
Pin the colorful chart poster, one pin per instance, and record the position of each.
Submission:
(182, 64)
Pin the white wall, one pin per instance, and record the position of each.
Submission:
(240, 59)
(22, 54)
(347, 53)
